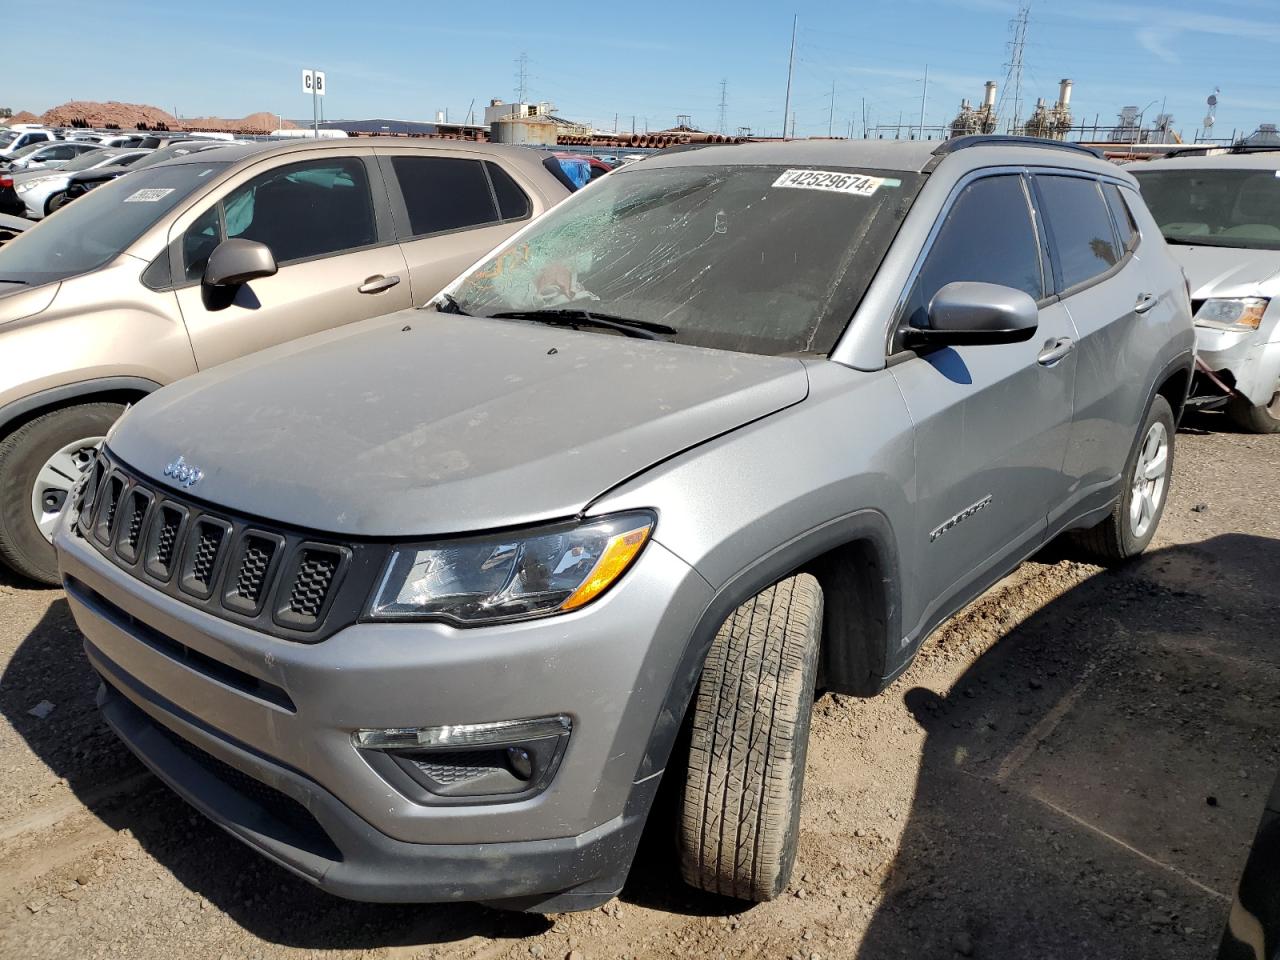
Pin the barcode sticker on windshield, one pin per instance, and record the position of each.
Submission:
(148, 196)
(830, 180)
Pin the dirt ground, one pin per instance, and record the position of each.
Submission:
(1074, 767)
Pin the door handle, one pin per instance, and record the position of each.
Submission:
(1145, 302)
(377, 283)
(1055, 350)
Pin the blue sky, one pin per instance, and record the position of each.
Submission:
(655, 60)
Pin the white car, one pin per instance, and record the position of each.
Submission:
(49, 155)
(43, 191)
(15, 138)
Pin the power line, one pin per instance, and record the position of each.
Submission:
(791, 63)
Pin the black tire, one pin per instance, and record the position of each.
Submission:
(1114, 538)
(740, 810)
(22, 455)
(1264, 418)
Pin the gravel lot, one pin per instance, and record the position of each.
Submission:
(1074, 767)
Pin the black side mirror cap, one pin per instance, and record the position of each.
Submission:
(968, 312)
(237, 261)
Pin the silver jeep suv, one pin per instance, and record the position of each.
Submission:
(424, 608)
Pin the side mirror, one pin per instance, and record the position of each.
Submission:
(967, 312)
(236, 261)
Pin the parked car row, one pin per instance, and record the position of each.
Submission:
(604, 489)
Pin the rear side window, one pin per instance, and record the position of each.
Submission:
(444, 193)
(513, 203)
(1079, 226)
(987, 237)
(1126, 228)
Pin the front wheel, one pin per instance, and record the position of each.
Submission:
(740, 810)
(56, 202)
(39, 464)
(1129, 528)
(1262, 418)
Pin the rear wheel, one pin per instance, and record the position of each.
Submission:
(1262, 418)
(1133, 522)
(740, 810)
(39, 464)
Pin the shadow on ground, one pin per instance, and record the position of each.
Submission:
(1090, 786)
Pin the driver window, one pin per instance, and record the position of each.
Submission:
(988, 237)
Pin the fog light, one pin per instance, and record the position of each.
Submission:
(521, 762)
(463, 734)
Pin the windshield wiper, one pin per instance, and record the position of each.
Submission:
(577, 317)
(450, 305)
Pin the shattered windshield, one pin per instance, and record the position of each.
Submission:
(759, 259)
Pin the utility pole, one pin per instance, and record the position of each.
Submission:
(831, 109)
(791, 62)
(864, 118)
(522, 77)
(924, 97)
(793, 124)
(724, 106)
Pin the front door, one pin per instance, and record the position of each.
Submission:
(991, 421)
(337, 261)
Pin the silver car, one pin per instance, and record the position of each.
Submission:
(426, 608)
(1221, 215)
(38, 193)
(48, 156)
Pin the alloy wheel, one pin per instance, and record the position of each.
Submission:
(1150, 479)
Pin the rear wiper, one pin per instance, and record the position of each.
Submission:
(577, 317)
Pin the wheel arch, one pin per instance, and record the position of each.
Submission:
(855, 559)
(100, 390)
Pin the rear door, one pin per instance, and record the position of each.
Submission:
(334, 246)
(449, 211)
(1102, 287)
(991, 421)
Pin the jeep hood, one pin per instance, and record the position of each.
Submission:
(423, 423)
(1228, 271)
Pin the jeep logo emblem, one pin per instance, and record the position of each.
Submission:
(183, 473)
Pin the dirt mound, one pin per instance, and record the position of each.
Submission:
(110, 115)
(23, 116)
(258, 123)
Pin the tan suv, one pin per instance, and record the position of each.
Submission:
(208, 257)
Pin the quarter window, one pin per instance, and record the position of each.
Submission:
(1123, 216)
(1079, 226)
(513, 203)
(987, 237)
(444, 193)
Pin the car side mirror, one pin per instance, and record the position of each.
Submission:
(966, 312)
(237, 261)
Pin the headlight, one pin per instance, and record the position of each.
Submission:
(509, 577)
(1237, 313)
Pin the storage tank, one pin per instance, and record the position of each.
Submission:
(524, 130)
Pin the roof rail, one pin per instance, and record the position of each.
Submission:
(1005, 140)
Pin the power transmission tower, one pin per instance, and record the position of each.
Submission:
(831, 109)
(724, 106)
(1013, 74)
(522, 77)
